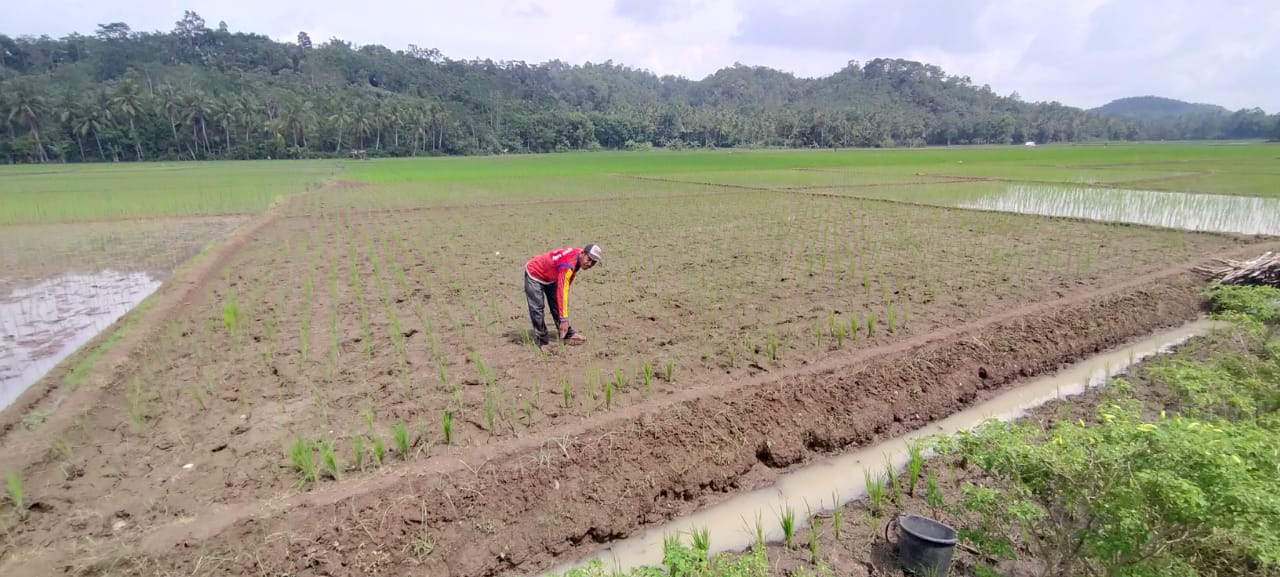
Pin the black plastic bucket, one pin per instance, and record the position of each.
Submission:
(925, 546)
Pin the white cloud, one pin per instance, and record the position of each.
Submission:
(1080, 52)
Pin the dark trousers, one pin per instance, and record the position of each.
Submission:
(538, 295)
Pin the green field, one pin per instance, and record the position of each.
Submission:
(84, 192)
(75, 193)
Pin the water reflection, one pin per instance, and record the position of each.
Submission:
(1187, 211)
(41, 324)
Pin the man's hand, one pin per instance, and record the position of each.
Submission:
(564, 329)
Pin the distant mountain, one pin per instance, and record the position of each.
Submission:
(1156, 107)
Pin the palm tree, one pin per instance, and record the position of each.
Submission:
(342, 118)
(171, 106)
(99, 118)
(25, 107)
(196, 109)
(364, 123)
(224, 115)
(247, 113)
(88, 117)
(127, 100)
(436, 116)
(72, 112)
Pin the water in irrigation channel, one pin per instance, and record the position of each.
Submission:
(731, 523)
(1179, 210)
(41, 324)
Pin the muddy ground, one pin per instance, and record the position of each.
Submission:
(540, 501)
(866, 545)
(541, 481)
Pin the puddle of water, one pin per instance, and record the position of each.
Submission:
(1181, 210)
(43, 323)
(732, 523)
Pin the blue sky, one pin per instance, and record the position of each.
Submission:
(1082, 52)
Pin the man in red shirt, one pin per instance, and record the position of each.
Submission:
(548, 276)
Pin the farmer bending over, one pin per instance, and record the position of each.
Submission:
(549, 275)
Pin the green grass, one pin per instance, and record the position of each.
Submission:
(36, 194)
(13, 483)
(658, 161)
(1203, 167)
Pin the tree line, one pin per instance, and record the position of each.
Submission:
(197, 92)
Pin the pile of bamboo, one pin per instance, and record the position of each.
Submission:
(1262, 270)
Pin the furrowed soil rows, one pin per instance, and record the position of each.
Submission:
(530, 507)
(364, 334)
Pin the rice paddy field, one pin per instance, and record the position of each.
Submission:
(335, 375)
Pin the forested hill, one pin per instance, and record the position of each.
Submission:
(1156, 107)
(202, 92)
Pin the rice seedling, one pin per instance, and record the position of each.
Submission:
(17, 497)
(305, 332)
(620, 379)
(890, 317)
(62, 449)
(481, 369)
(853, 326)
(837, 514)
(871, 324)
(495, 310)
(357, 452)
(302, 455)
(566, 393)
(647, 373)
(933, 494)
(671, 365)
(400, 434)
(446, 425)
(330, 459)
(788, 519)
(758, 527)
(875, 492)
(701, 540)
(138, 401)
(771, 346)
(895, 490)
(815, 525)
(528, 413)
(489, 410)
(197, 392)
(379, 450)
(608, 395)
(231, 318)
(916, 452)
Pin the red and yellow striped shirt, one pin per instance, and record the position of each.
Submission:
(556, 267)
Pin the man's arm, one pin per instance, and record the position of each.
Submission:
(564, 278)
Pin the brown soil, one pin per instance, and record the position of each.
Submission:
(536, 503)
(113, 363)
(530, 489)
(866, 545)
